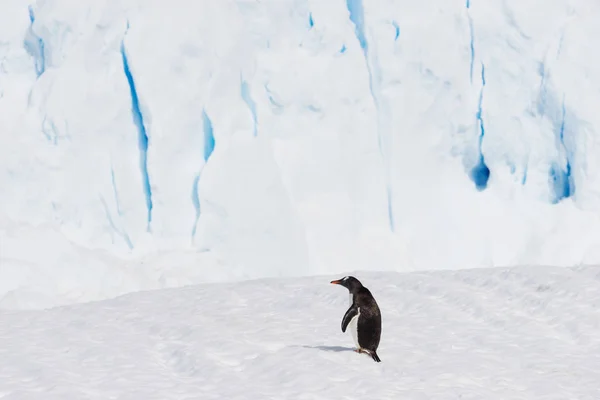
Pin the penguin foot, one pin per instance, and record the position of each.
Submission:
(373, 354)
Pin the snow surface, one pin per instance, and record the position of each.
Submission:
(519, 333)
(146, 144)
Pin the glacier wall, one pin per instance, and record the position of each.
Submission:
(148, 144)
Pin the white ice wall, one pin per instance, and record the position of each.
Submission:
(291, 137)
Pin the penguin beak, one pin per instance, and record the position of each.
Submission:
(336, 282)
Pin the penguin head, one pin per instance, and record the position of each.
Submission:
(349, 282)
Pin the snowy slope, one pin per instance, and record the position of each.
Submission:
(522, 333)
(292, 137)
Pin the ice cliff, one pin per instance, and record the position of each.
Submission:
(235, 139)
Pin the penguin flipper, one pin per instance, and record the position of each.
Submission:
(351, 313)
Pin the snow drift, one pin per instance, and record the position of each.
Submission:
(495, 334)
(291, 138)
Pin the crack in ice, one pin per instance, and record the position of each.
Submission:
(481, 173)
(355, 8)
(138, 120)
(245, 92)
(209, 146)
(37, 49)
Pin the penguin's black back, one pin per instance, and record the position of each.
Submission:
(369, 321)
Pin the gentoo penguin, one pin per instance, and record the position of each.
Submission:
(363, 317)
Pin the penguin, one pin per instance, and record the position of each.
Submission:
(363, 318)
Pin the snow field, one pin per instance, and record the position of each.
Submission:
(506, 333)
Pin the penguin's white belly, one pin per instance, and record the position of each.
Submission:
(353, 328)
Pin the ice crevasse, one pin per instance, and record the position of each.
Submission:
(147, 144)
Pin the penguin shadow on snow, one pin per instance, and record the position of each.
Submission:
(336, 349)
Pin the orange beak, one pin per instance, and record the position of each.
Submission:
(337, 282)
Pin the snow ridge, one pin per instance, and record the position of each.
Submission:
(138, 119)
(355, 8)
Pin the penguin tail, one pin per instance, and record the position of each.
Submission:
(374, 356)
